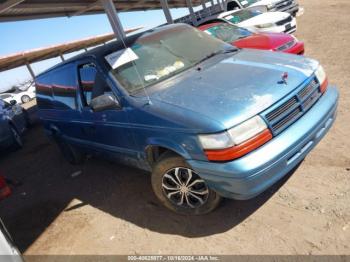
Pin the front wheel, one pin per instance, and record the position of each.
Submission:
(25, 99)
(17, 142)
(180, 188)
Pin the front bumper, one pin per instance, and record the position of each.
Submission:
(252, 174)
(287, 28)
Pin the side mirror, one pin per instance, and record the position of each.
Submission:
(104, 102)
(13, 102)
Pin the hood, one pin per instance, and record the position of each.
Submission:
(264, 18)
(266, 41)
(236, 88)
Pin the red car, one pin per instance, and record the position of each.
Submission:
(244, 38)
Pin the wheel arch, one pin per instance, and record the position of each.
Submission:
(155, 148)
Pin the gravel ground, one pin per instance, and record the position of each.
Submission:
(104, 208)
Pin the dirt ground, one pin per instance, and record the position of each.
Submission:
(104, 208)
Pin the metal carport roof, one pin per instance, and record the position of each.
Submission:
(14, 10)
(31, 56)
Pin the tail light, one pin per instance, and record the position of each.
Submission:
(322, 78)
(237, 141)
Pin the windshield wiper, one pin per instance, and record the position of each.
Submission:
(232, 50)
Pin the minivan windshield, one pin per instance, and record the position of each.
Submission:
(164, 53)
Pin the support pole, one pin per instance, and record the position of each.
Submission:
(113, 18)
(192, 14)
(205, 8)
(203, 4)
(166, 11)
(31, 72)
(223, 4)
(62, 57)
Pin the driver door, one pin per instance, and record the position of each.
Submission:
(107, 131)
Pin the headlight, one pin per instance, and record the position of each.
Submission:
(294, 37)
(216, 141)
(265, 25)
(322, 78)
(237, 141)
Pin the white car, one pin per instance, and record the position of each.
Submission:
(20, 98)
(290, 6)
(8, 251)
(258, 21)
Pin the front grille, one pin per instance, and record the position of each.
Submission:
(285, 21)
(296, 106)
(286, 45)
(291, 30)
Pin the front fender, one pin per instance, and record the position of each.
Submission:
(168, 144)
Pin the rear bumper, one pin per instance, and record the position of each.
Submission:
(252, 174)
(297, 49)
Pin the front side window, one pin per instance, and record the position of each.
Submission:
(4, 96)
(159, 55)
(228, 33)
(92, 83)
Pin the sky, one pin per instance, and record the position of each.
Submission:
(26, 35)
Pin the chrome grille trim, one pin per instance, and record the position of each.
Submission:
(277, 112)
(292, 116)
(278, 119)
(289, 19)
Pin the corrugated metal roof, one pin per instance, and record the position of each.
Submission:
(19, 59)
(14, 10)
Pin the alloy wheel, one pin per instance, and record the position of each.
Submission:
(183, 187)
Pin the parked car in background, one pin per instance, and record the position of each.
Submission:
(13, 122)
(290, 6)
(258, 21)
(243, 38)
(208, 120)
(8, 250)
(20, 98)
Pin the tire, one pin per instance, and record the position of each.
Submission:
(17, 141)
(174, 194)
(27, 120)
(25, 99)
(70, 153)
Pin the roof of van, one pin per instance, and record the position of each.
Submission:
(15, 10)
(112, 46)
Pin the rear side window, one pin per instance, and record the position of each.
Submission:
(64, 88)
(44, 91)
(4, 96)
(92, 83)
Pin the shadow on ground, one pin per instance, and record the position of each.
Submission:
(44, 186)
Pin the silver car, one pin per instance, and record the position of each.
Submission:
(13, 122)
